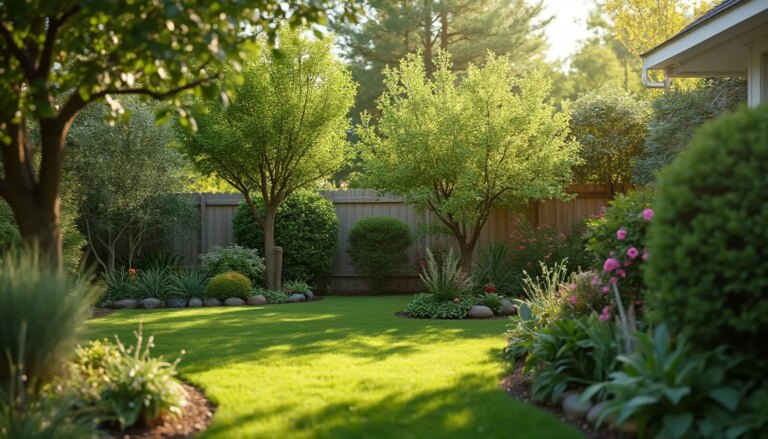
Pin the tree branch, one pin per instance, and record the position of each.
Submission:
(46, 56)
(26, 63)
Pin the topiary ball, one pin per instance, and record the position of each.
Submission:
(708, 267)
(229, 284)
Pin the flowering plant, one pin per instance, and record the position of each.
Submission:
(617, 242)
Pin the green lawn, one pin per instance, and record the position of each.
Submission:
(341, 368)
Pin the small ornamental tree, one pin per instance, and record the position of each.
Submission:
(610, 126)
(284, 130)
(461, 147)
(56, 57)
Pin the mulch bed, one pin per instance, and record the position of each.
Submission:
(516, 386)
(405, 315)
(101, 312)
(195, 417)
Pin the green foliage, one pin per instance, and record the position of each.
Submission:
(494, 267)
(127, 385)
(491, 300)
(120, 284)
(160, 259)
(229, 284)
(53, 416)
(610, 126)
(272, 296)
(583, 295)
(617, 241)
(243, 260)
(188, 284)
(673, 392)
(459, 147)
(708, 270)
(41, 317)
(295, 286)
(677, 114)
(377, 248)
(446, 280)
(306, 227)
(571, 353)
(10, 238)
(154, 282)
(425, 305)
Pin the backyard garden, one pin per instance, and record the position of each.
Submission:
(323, 220)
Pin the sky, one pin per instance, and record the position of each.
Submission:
(568, 27)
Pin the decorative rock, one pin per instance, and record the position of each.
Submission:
(177, 302)
(508, 308)
(574, 408)
(126, 304)
(256, 300)
(595, 411)
(480, 312)
(293, 298)
(195, 302)
(309, 295)
(212, 302)
(151, 303)
(234, 301)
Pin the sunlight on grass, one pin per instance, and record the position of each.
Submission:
(342, 367)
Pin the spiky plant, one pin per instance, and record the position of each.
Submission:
(446, 281)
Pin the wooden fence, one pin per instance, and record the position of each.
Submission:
(217, 210)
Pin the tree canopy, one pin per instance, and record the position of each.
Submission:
(459, 147)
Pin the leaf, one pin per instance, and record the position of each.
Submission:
(630, 407)
(728, 397)
(525, 312)
(675, 394)
(675, 426)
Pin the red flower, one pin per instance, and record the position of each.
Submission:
(456, 299)
(132, 272)
(490, 288)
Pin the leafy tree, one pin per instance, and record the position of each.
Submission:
(130, 181)
(461, 147)
(677, 114)
(611, 126)
(56, 57)
(284, 130)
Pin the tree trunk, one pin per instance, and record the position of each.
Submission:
(429, 66)
(271, 255)
(465, 257)
(39, 226)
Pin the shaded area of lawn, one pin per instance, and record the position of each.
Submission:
(344, 367)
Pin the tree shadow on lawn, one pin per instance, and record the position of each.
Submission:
(473, 408)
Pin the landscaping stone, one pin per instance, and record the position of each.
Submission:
(480, 312)
(256, 300)
(177, 302)
(293, 298)
(595, 411)
(126, 304)
(574, 408)
(151, 303)
(234, 301)
(195, 302)
(309, 295)
(212, 302)
(508, 308)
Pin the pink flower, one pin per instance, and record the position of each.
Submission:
(621, 272)
(456, 299)
(632, 252)
(606, 314)
(648, 214)
(627, 263)
(610, 265)
(605, 290)
(645, 255)
(572, 300)
(613, 280)
(621, 234)
(595, 281)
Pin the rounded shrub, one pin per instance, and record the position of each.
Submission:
(306, 227)
(229, 284)
(377, 248)
(708, 267)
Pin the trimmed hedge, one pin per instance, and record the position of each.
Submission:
(306, 228)
(708, 266)
(229, 284)
(377, 248)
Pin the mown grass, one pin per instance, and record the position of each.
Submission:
(344, 367)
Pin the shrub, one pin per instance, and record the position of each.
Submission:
(583, 295)
(377, 248)
(306, 228)
(272, 296)
(42, 312)
(155, 282)
(128, 385)
(494, 266)
(52, 416)
(445, 281)
(243, 260)
(426, 305)
(708, 271)
(188, 284)
(571, 353)
(617, 241)
(162, 260)
(120, 284)
(492, 301)
(10, 238)
(229, 284)
(296, 286)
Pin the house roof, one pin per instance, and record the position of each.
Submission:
(712, 13)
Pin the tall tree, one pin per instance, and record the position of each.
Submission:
(461, 147)
(284, 130)
(56, 57)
